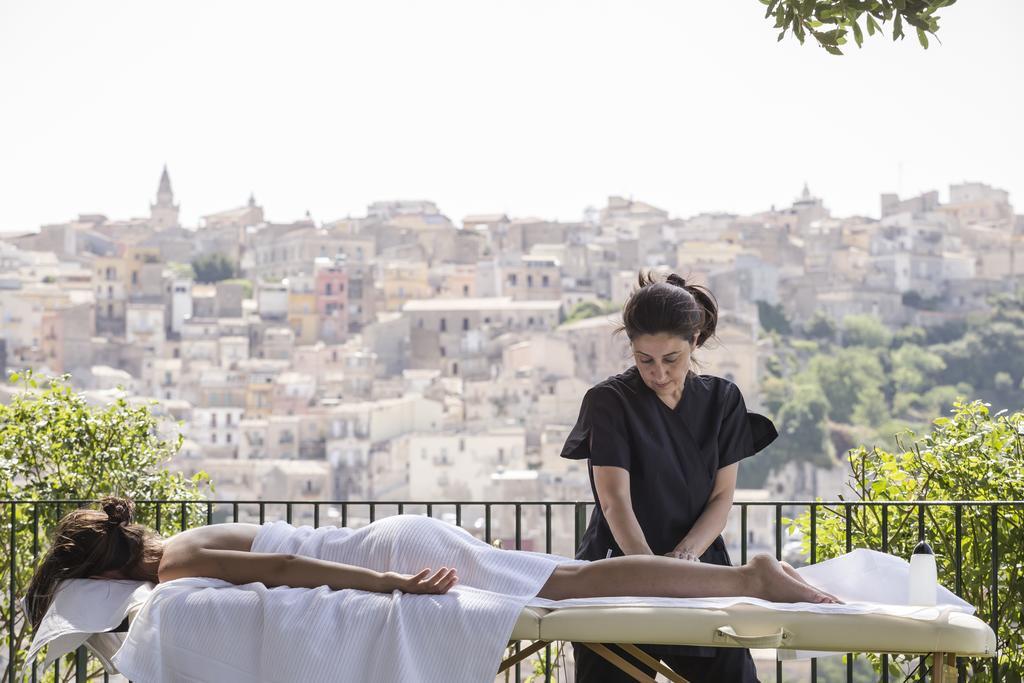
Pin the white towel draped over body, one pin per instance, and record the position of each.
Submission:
(209, 630)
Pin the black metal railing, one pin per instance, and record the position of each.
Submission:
(547, 526)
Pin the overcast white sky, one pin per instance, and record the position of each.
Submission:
(531, 107)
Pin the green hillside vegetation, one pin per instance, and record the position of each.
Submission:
(832, 386)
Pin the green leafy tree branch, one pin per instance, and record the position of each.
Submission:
(831, 22)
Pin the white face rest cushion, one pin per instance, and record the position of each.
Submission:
(81, 608)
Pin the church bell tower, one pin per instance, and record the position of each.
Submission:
(164, 214)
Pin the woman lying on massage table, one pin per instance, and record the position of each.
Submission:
(107, 544)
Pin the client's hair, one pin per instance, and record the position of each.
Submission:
(88, 542)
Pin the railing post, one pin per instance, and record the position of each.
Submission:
(743, 534)
(885, 549)
(814, 559)
(519, 526)
(12, 605)
(81, 665)
(778, 556)
(847, 510)
(994, 521)
(35, 558)
(581, 525)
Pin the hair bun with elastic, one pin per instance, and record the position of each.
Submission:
(676, 280)
(120, 511)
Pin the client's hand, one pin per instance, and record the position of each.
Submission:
(424, 583)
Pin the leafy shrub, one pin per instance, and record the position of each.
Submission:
(974, 456)
(54, 446)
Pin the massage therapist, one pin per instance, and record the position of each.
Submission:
(664, 446)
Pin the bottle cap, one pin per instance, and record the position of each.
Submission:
(923, 549)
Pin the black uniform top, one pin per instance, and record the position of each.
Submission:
(672, 455)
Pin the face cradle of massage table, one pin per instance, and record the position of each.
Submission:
(961, 634)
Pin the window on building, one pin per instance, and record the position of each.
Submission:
(512, 279)
(465, 324)
(327, 289)
(213, 437)
(443, 354)
(213, 419)
(227, 438)
(465, 290)
(444, 325)
(529, 281)
(545, 281)
(227, 419)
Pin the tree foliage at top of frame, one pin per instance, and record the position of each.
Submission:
(831, 22)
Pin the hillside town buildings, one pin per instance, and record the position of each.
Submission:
(402, 356)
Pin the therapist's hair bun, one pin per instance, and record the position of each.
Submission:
(671, 306)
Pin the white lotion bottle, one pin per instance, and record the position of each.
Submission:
(924, 578)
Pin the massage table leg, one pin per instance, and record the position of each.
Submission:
(514, 659)
(655, 664)
(940, 661)
(629, 668)
(603, 651)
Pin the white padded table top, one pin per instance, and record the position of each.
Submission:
(954, 632)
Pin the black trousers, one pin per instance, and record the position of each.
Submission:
(728, 665)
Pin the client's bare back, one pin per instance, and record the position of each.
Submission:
(230, 536)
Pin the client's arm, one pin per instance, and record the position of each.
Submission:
(273, 569)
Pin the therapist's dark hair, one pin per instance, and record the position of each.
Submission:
(669, 306)
(88, 542)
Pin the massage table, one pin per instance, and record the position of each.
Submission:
(876, 619)
(953, 634)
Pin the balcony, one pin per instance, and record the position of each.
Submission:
(978, 542)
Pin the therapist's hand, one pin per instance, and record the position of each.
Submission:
(685, 555)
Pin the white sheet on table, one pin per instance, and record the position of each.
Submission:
(252, 633)
(81, 608)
